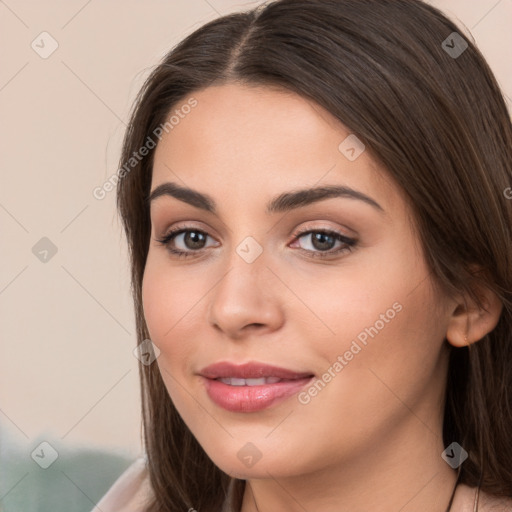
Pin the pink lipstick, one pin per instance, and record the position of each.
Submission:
(252, 386)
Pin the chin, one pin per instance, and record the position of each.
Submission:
(245, 462)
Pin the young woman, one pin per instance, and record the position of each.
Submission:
(317, 200)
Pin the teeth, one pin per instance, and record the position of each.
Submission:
(234, 381)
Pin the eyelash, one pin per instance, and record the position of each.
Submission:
(350, 243)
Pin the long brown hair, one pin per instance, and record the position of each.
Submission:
(438, 123)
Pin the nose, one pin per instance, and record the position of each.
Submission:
(246, 299)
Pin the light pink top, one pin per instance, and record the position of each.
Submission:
(132, 491)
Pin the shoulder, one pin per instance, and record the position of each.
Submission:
(130, 492)
(486, 502)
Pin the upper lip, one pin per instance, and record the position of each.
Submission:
(252, 370)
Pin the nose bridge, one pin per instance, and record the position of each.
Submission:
(250, 251)
(242, 296)
(246, 266)
(246, 239)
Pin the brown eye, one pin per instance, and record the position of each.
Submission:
(194, 239)
(322, 242)
(188, 240)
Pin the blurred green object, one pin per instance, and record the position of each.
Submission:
(74, 482)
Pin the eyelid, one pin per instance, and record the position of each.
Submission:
(186, 226)
(322, 226)
(309, 226)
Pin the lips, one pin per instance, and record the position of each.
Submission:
(252, 386)
(251, 370)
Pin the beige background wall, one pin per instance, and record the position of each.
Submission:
(67, 371)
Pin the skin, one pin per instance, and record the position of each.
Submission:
(371, 439)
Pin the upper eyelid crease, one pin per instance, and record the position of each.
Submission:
(282, 203)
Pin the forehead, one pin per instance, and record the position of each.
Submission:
(254, 120)
(256, 140)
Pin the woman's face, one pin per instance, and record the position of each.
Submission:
(354, 318)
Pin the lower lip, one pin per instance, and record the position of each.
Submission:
(252, 398)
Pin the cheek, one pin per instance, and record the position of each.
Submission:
(389, 339)
(368, 291)
(391, 336)
(170, 302)
(379, 310)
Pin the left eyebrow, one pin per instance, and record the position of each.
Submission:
(299, 198)
(282, 203)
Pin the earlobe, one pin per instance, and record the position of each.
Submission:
(469, 323)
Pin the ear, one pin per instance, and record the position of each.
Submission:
(469, 323)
